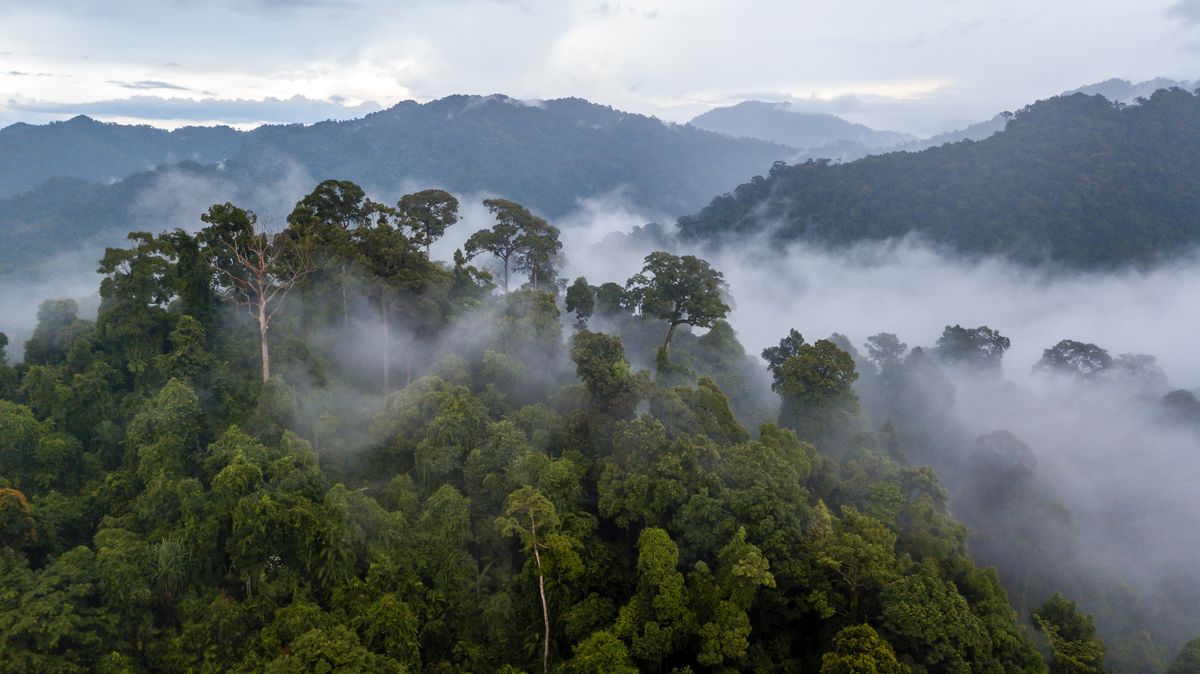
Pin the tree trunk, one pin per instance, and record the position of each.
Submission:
(505, 276)
(534, 270)
(541, 590)
(670, 333)
(262, 338)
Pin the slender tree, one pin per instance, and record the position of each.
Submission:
(527, 510)
(258, 267)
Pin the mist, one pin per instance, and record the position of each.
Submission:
(1103, 450)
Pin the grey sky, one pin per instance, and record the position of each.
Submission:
(917, 66)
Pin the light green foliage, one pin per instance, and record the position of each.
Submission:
(657, 616)
(859, 650)
(1071, 635)
(326, 651)
(600, 653)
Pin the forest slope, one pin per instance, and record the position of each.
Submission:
(1075, 179)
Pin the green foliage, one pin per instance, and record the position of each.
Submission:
(859, 650)
(164, 509)
(1071, 635)
(1188, 660)
(679, 290)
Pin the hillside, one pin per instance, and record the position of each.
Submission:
(1073, 179)
(85, 149)
(548, 156)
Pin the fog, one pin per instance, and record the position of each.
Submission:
(1103, 450)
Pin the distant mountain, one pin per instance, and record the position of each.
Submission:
(88, 150)
(1075, 180)
(976, 131)
(548, 156)
(1124, 91)
(782, 123)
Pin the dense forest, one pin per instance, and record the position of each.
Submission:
(82, 180)
(1075, 180)
(317, 449)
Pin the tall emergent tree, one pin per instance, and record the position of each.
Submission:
(678, 290)
(428, 213)
(258, 267)
(518, 237)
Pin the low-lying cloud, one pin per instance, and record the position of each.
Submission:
(297, 109)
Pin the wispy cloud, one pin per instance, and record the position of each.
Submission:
(148, 84)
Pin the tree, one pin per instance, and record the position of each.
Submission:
(1188, 660)
(581, 299)
(600, 653)
(540, 252)
(509, 238)
(776, 356)
(428, 213)
(1074, 359)
(600, 363)
(678, 290)
(657, 617)
(981, 347)
(527, 508)
(859, 650)
(817, 386)
(259, 268)
(885, 350)
(52, 336)
(1074, 646)
(395, 273)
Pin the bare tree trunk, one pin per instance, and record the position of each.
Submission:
(505, 276)
(534, 270)
(262, 338)
(541, 590)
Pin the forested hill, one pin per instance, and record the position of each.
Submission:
(548, 154)
(1074, 179)
(84, 149)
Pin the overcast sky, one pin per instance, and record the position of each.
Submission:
(919, 66)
